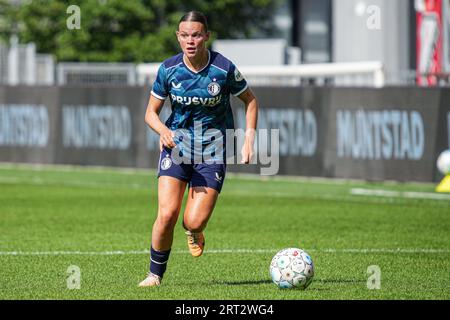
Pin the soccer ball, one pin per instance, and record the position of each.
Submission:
(443, 162)
(292, 268)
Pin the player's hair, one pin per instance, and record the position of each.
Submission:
(195, 16)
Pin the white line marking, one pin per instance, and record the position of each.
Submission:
(71, 183)
(151, 172)
(71, 253)
(146, 186)
(398, 194)
(223, 251)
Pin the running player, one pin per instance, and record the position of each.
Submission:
(198, 83)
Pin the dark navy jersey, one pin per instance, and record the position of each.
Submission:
(200, 100)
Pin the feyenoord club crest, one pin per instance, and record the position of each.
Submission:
(213, 89)
(166, 163)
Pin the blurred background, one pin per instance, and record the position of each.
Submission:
(357, 88)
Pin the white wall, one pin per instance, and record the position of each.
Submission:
(368, 30)
(253, 52)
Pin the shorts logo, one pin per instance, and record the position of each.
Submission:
(218, 177)
(214, 89)
(166, 163)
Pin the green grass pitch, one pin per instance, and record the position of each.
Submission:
(100, 220)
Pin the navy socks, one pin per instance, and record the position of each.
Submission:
(158, 261)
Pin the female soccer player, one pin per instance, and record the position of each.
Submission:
(198, 83)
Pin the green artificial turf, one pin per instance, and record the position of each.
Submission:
(99, 220)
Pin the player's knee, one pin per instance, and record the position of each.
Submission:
(194, 225)
(167, 218)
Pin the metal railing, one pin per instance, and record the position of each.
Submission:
(46, 72)
(351, 74)
(96, 73)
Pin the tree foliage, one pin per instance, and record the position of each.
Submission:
(127, 30)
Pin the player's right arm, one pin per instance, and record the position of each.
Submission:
(158, 95)
(154, 122)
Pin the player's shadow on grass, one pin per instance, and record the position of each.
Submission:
(261, 282)
(340, 281)
(240, 283)
(333, 282)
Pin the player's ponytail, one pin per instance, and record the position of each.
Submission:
(196, 16)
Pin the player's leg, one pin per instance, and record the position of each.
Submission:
(170, 198)
(206, 184)
(199, 208)
(172, 182)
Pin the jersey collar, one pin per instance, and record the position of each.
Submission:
(206, 65)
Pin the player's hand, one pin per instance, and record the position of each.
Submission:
(247, 153)
(166, 139)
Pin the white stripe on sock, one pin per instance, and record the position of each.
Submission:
(158, 262)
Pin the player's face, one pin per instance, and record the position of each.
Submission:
(192, 38)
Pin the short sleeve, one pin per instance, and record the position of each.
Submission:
(160, 88)
(236, 81)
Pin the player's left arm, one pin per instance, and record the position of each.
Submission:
(251, 115)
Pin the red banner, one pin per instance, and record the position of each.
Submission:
(429, 42)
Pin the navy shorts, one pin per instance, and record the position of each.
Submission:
(197, 175)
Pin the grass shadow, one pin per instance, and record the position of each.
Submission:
(263, 282)
(240, 283)
(340, 281)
